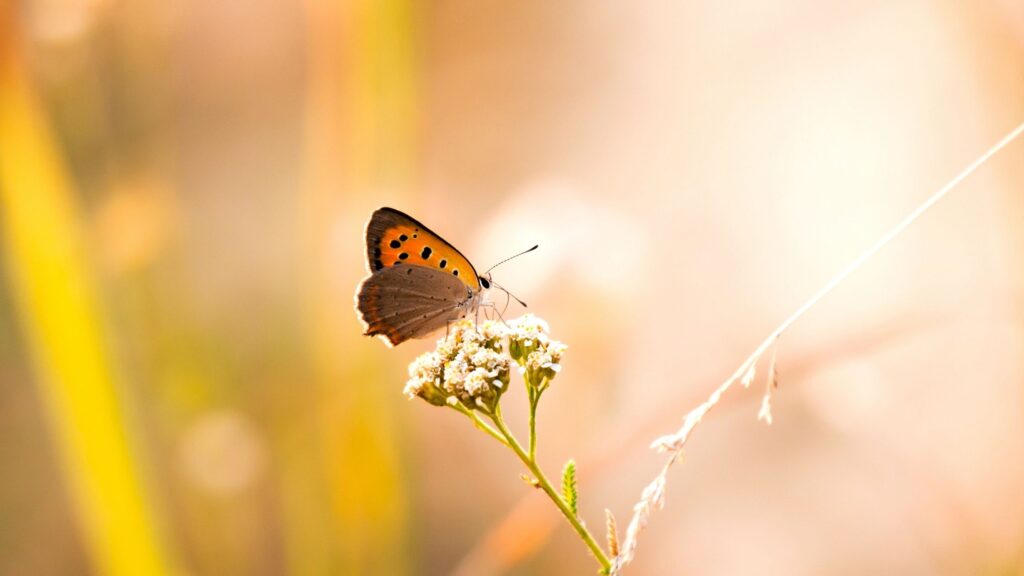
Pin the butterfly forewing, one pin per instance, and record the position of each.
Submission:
(403, 302)
(394, 238)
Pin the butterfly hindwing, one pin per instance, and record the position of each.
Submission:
(394, 238)
(403, 302)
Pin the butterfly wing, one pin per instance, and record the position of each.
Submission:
(403, 302)
(395, 238)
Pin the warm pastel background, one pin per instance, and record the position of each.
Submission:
(183, 185)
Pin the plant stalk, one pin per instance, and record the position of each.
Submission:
(534, 394)
(480, 423)
(553, 494)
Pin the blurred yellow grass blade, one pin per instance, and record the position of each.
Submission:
(47, 264)
(366, 468)
(360, 138)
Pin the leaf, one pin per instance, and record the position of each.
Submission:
(569, 486)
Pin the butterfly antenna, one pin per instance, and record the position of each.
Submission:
(535, 246)
(502, 288)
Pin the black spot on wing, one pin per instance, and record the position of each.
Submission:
(403, 255)
(442, 263)
(426, 252)
(383, 224)
(395, 244)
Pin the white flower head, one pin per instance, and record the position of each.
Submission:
(528, 327)
(471, 363)
(492, 331)
(466, 365)
(425, 378)
(538, 355)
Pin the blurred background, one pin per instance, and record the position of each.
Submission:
(183, 187)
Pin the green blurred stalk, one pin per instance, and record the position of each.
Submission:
(46, 256)
(360, 139)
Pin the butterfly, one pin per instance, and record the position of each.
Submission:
(418, 282)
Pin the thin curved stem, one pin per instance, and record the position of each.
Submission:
(864, 257)
(534, 398)
(471, 414)
(553, 494)
(642, 509)
(888, 237)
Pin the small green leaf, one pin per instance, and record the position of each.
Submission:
(569, 486)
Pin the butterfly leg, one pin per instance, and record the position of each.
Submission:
(448, 325)
(494, 309)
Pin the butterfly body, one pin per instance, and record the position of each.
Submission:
(418, 282)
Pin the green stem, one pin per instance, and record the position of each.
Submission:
(471, 414)
(553, 494)
(534, 398)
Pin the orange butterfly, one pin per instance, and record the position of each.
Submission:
(418, 282)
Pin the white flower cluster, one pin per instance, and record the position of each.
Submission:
(538, 355)
(425, 379)
(468, 366)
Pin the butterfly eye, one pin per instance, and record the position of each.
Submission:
(484, 283)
